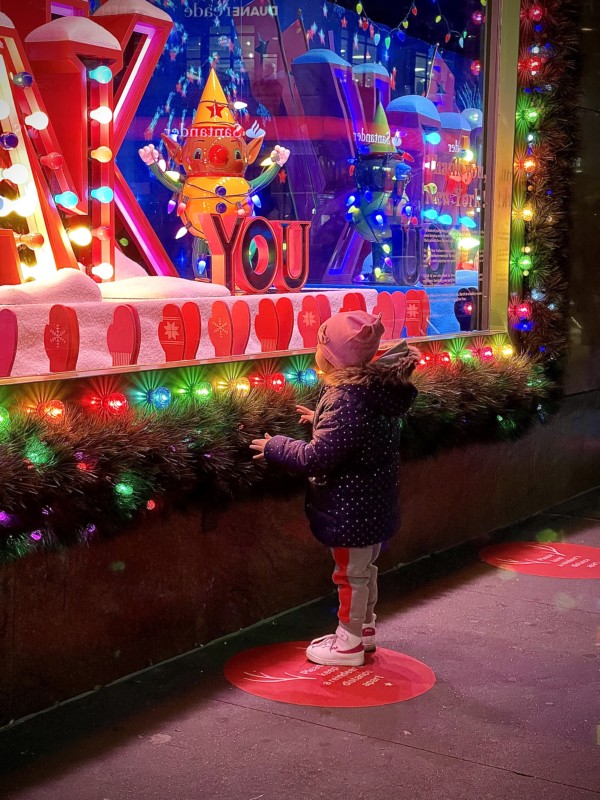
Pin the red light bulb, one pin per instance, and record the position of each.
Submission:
(115, 404)
(256, 381)
(52, 160)
(101, 233)
(535, 13)
(276, 381)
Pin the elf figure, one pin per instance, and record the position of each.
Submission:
(215, 156)
(380, 202)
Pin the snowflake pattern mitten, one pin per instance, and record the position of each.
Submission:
(171, 333)
(309, 321)
(61, 339)
(220, 329)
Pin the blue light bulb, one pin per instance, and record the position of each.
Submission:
(379, 219)
(308, 377)
(351, 200)
(101, 74)
(431, 213)
(256, 200)
(66, 199)
(22, 79)
(467, 222)
(160, 398)
(9, 140)
(445, 219)
(433, 138)
(103, 193)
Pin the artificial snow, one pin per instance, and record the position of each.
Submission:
(115, 7)
(74, 29)
(62, 286)
(160, 287)
(126, 267)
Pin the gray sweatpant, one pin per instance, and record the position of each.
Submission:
(355, 575)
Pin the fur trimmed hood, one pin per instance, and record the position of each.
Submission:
(386, 379)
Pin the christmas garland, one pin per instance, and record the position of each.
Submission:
(72, 478)
(67, 477)
(545, 147)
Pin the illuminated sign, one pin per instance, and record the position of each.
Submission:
(253, 253)
(198, 11)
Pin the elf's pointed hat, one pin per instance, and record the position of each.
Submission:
(381, 129)
(213, 108)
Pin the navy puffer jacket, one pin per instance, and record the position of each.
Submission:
(353, 458)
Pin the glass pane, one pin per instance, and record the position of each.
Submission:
(384, 120)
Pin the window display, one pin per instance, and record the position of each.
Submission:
(384, 122)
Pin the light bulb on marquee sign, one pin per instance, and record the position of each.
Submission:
(104, 271)
(37, 120)
(80, 236)
(102, 114)
(18, 174)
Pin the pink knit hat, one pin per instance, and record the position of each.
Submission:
(350, 338)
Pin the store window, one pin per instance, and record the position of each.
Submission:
(384, 118)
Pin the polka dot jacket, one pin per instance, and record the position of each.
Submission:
(353, 458)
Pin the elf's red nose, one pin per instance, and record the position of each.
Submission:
(218, 155)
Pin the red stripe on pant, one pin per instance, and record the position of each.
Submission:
(341, 556)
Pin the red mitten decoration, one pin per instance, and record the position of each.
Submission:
(220, 329)
(353, 301)
(414, 312)
(240, 316)
(399, 303)
(266, 326)
(124, 336)
(285, 318)
(425, 312)
(9, 338)
(192, 326)
(309, 321)
(324, 307)
(385, 307)
(61, 339)
(171, 333)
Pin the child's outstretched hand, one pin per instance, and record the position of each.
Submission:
(307, 416)
(259, 446)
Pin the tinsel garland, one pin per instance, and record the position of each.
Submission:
(87, 476)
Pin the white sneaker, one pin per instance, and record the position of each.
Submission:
(368, 636)
(339, 648)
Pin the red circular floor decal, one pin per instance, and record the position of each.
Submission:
(281, 672)
(548, 559)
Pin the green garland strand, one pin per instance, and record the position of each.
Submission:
(88, 476)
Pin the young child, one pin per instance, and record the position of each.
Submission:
(352, 462)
